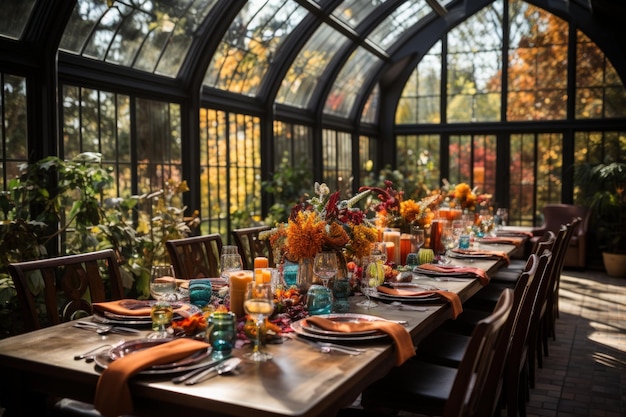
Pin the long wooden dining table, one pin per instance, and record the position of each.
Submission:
(298, 381)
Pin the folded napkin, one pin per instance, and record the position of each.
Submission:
(402, 338)
(135, 308)
(455, 301)
(492, 253)
(516, 241)
(457, 270)
(112, 392)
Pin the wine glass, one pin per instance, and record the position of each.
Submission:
(448, 242)
(230, 262)
(417, 236)
(373, 276)
(259, 304)
(162, 289)
(378, 250)
(325, 266)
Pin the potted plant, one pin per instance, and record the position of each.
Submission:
(602, 187)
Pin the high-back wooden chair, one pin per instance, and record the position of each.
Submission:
(432, 389)
(250, 246)
(55, 290)
(196, 257)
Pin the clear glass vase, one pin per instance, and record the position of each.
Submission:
(306, 276)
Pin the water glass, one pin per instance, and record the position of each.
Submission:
(290, 273)
(200, 292)
(319, 300)
(222, 333)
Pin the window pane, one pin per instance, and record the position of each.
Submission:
(537, 74)
(421, 97)
(14, 16)
(475, 67)
(599, 91)
(419, 164)
(14, 132)
(152, 36)
(349, 83)
(473, 161)
(402, 18)
(250, 44)
(522, 207)
(305, 73)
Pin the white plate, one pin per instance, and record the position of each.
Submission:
(298, 328)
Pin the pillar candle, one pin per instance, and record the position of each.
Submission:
(261, 262)
(405, 247)
(238, 280)
(262, 275)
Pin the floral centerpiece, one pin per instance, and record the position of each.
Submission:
(324, 223)
(462, 196)
(395, 212)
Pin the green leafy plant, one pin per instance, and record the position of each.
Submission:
(58, 206)
(602, 190)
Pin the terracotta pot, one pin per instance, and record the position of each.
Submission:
(615, 264)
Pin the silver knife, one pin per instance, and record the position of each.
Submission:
(187, 375)
(224, 367)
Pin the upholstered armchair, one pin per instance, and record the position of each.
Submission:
(554, 215)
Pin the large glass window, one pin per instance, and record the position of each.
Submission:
(421, 97)
(537, 73)
(419, 164)
(230, 162)
(337, 160)
(13, 131)
(473, 161)
(152, 36)
(474, 62)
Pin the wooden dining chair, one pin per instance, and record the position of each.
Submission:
(55, 290)
(196, 257)
(250, 246)
(431, 389)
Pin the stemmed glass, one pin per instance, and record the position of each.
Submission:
(230, 262)
(325, 266)
(417, 236)
(162, 289)
(259, 304)
(448, 241)
(373, 276)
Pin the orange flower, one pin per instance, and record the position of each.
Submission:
(305, 235)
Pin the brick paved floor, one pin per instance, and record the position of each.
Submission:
(585, 372)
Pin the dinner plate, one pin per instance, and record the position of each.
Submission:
(405, 298)
(189, 310)
(299, 328)
(193, 361)
(453, 254)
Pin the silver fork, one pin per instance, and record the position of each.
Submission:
(326, 347)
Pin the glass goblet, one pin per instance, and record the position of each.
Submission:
(230, 262)
(325, 266)
(417, 236)
(259, 304)
(163, 290)
(373, 276)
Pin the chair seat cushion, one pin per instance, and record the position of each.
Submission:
(443, 347)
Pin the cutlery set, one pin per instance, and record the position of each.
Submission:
(105, 328)
(223, 366)
(325, 347)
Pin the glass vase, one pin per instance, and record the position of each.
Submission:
(305, 276)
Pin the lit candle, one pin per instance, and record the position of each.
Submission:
(262, 275)
(405, 247)
(261, 262)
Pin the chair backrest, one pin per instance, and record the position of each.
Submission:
(250, 246)
(488, 337)
(65, 287)
(196, 256)
(554, 215)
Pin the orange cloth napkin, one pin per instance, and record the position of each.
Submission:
(493, 253)
(130, 307)
(112, 392)
(443, 269)
(455, 301)
(402, 338)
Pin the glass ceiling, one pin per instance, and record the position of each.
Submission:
(289, 44)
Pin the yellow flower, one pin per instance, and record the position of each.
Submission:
(362, 238)
(410, 210)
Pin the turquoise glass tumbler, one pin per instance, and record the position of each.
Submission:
(200, 292)
(319, 300)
